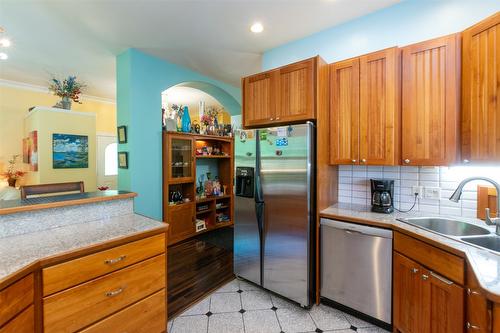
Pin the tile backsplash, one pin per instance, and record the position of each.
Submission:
(354, 186)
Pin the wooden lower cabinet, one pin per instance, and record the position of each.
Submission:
(148, 315)
(478, 308)
(181, 222)
(24, 322)
(424, 301)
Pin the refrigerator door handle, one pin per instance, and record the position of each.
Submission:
(259, 196)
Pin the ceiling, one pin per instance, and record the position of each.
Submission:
(83, 37)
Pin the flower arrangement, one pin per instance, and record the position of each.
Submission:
(12, 175)
(68, 88)
(206, 120)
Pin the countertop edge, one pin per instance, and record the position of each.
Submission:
(27, 208)
(494, 297)
(79, 252)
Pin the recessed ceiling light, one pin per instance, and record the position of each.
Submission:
(3, 56)
(257, 28)
(5, 42)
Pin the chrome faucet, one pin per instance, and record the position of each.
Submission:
(489, 221)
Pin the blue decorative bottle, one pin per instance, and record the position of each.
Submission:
(186, 121)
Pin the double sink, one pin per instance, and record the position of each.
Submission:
(464, 231)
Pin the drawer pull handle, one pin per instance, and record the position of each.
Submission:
(442, 279)
(114, 292)
(472, 292)
(425, 277)
(114, 261)
(414, 270)
(472, 327)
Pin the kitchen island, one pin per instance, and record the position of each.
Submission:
(81, 262)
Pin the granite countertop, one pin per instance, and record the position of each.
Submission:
(20, 251)
(44, 202)
(485, 263)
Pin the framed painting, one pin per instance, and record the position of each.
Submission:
(123, 160)
(122, 134)
(70, 151)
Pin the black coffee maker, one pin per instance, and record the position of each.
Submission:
(382, 195)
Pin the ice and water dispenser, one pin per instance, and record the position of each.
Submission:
(245, 182)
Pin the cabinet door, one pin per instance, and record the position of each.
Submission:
(180, 158)
(481, 91)
(407, 295)
(344, 112)
(296, 92)
(379, 108)
(430, 105)
(478, 317)
(445, 301)
(181, 221)
(259, 100)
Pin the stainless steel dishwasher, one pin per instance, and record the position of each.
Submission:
(356, 267)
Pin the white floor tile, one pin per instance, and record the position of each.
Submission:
(225, 302)
(295, 320)
(190, 324)
(199, 308)
(256, 300)
(261, 321)
(231, 322)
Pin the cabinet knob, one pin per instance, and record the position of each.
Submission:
(363, 160)
(407, 161)
(277, 118)
(271, 119)
(414, 270)
(425, 277)
(472, 327)
(466, 161)
(472, 292)
(353, 161)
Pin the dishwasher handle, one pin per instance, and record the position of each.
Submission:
(353, 228)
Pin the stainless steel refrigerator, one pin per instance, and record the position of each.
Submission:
(274, 209)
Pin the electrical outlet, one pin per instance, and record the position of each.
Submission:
(419, 190)
(432, 193)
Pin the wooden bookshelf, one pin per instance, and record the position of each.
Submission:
(180, 161)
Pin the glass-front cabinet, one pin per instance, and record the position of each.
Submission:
(181, 161)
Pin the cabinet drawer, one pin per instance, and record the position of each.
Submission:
(24, 322)
(86, 268)
(77, 307)
(146, 316)
(15, 298)
(442, 262)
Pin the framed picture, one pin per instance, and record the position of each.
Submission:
(122, 134)
(70, 151)
(123, 160)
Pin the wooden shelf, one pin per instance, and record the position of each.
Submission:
(213, 156)
(204, 211)
(216, 226)
(181, 181)
(222, 207)
(226, 196)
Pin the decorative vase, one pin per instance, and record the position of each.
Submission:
(66, 103)
(12, 182)
(186, 121)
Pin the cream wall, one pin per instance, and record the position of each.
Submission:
(14, 104)
(48, 121)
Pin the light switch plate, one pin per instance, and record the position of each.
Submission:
(432, 193)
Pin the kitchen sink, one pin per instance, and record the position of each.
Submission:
(447, 227)
(491, 242)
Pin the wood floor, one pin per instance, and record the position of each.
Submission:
(198, 266)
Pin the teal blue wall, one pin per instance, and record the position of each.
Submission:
(407, 22)
(140, 80)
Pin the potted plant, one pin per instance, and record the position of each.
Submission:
(12, 175)
(68, 89)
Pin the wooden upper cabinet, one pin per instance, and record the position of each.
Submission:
(379, 109)
(344, 112)
(280, 96)
(365, 110)
(481, 91)
(259, 100)
(296, 92)
(430, 102)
